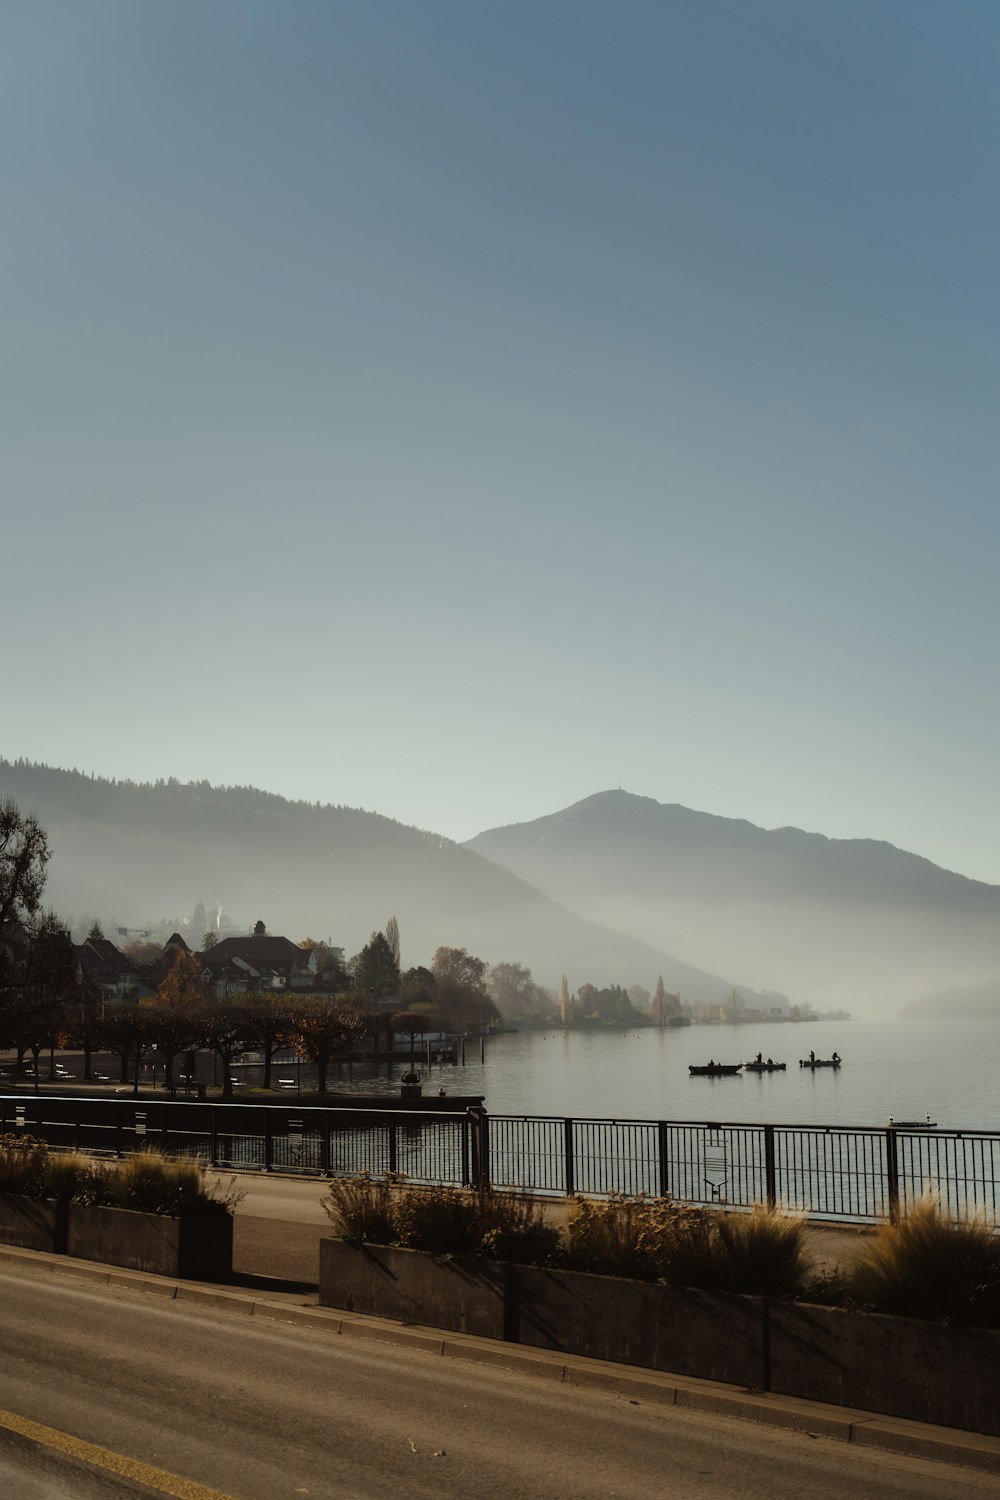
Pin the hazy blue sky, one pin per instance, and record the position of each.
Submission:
(448, 408)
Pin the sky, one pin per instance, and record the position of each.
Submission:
(455, 409)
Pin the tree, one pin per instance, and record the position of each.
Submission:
(564, 1001)
(411, 1023)
(460, 989)
(126, 1031)
(375, 969)
(663, 1005)
(515, 993)
(392, 938)
(24, 854)
(270, 1025)
(172, 1029)
(224, 1030)
(182, 987)
(96, 933)
(199, 920)
(83, 1018)
(321, 1030)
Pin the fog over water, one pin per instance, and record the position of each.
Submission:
(905, 1069)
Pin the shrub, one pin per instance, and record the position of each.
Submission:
(361, 1208)
(760, 1253)
(23, 1162)
(513, 1227)
(931, 1265)
(443, 1220)
(623, 1236)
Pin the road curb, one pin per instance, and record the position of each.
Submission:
(861, 1428)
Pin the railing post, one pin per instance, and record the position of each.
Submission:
(119, 1131)
(394, 1146)
(324, 1144)
(770, 1176)
(214, 1150)
(568, 1163)
(479, 1128)
(268, 1138)
(892, 1174)
(663, 1150)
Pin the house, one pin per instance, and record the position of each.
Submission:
(260, 963)
(107, 967)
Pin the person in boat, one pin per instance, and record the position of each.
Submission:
(836, 1057)
(812, 1057)
(760, 1057)
(711, 1062)
(770, 1063)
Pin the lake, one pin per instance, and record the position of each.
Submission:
(949, 1070)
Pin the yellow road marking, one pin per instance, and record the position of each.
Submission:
(115, 1463)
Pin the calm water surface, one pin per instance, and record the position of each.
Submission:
(949, 1070)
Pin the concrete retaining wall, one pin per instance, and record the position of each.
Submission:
(903, 1367)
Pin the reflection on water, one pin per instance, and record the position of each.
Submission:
(949, 1070)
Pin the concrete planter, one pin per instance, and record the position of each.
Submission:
(929, 1372)
(195, 1248)
(905, 1367)
(707, 1334)
(463, 1294)
(32, 1223)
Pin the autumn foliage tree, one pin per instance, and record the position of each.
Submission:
(323, 1028)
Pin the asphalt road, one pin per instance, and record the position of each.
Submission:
(200, 1404)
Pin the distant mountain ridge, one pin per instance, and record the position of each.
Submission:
(852, 922)
(135, 851)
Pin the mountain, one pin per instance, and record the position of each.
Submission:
(846, 922)
(978, 1002)
(131, 853)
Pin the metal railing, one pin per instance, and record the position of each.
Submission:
(830, 1171)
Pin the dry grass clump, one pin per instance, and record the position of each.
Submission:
(443, 1220)
(931, 1265)
(153, 1183)
(361, 1208)
(659, 1240)
(761, 1253)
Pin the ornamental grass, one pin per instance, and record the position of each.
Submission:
(360, 1208)
(442, 1220)
(932, 1265)
(760, 1253)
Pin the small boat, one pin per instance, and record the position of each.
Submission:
(925, 1124)
(716, 1070)
(678, 1020)
(764, 1067)
(820, 1062)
